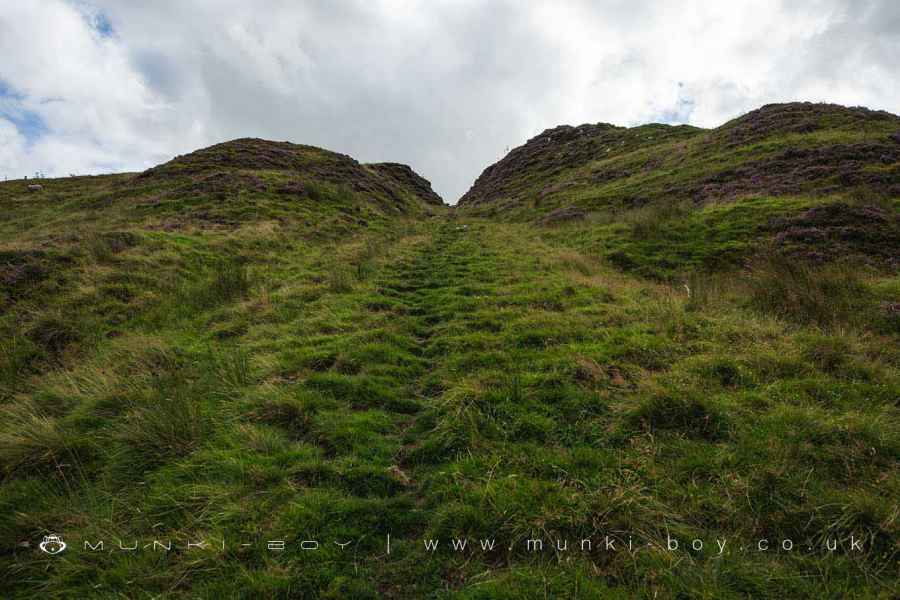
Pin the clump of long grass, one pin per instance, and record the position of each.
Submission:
(829, 296)
(221, 282)
(577, 262)
(688, 414)
(339, 279)
(104, 246)
(231, 367)
(27, 440)
(53, 332)
(16, 356)
(317, 191)
(227, 280)
(649, 221)
(706, 290)
(365, 263)
(173, 424)
(33, 441)
(325, 192)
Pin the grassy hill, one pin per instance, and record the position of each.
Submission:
(262, 341)
(657, 200)
(779, 149)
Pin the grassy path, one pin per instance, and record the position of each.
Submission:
(448, 380)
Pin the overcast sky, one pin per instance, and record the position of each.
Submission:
(94, 86)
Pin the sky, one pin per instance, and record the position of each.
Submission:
(99, 86)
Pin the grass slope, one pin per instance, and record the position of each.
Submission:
(331, 365)
(779, 149)
(658, 200)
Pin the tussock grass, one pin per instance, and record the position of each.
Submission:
(54, 333)
(231, 367)
(36, 444)
(17, 356)
(709, 291)
(830, 296)
(29, 440)
(650, 221)
(172, 420)
(340, 279)
(103, 247)
(686, 414)
(225, 280)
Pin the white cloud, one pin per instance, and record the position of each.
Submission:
(442, 85)
(12, 146)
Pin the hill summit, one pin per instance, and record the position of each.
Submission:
(389, 184)
(778, 149)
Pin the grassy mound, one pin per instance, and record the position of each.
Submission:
(777, 150)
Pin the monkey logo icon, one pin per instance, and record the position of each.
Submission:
(52, 544)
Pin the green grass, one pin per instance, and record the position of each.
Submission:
(339, 381)
(656, 164)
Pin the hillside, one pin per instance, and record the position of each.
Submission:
(226, 185)
(662, 200)
(262, 341)
(778, 149)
